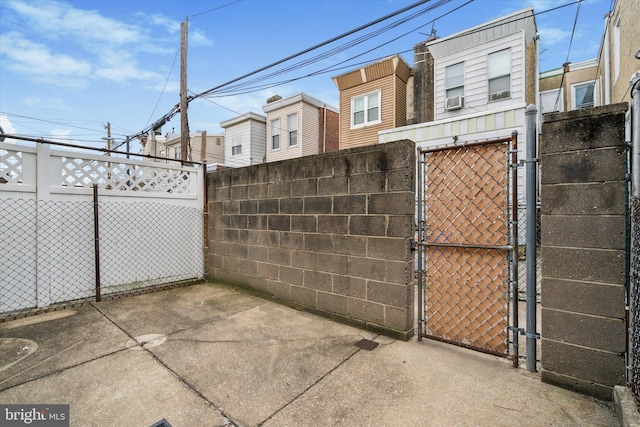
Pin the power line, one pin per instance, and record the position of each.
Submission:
(216, 8)
(564, 72)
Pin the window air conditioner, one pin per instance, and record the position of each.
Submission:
(496, 96)
(454, 103)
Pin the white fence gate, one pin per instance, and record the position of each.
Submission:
(149, 217)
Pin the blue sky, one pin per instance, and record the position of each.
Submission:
(69, 67)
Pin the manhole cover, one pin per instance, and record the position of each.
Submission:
(146, 341)
(366, 344)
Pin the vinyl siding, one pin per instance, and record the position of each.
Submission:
(252, 135)
(258, 141)
(476, 90)
(308, 130)
(369, 134)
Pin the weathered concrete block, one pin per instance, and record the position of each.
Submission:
(583, 129)
(372, 182)
(304, 296)
(338, 224)
(598, 299)
(304, 223)
(600, 333)
(267, 271)
(366, 310)
(257, 222)
(257, 191)
(391, 203)
(292, 275)
(333, 303)
(279, 189)
(318, 243)
(238, 221)
(584, 363)
(305, 260)
(293, 205)
(352, 204)
(367, 268)
(269, 206)
(292, 240)
(606, 164)
(606, 198)
(231, 207)
(350, 286)
(349, 245)
(332, 263)
(389, 294)
(577, 385)
(368, 225)
(280, 256)
(400, 272)
(279, 290)
(238, 251)
(401, 180)
(401, 226)
(266, 238)
(333, 185)
(305, 187)
(239, 192)
(591, 265)
(318, 205)
(249, 207)
(400, 319)
(388, 248)
(584, 231)
(279, 222)
(317, 280)
(258, 253)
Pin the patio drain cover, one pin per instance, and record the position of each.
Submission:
(366, 344)
(161, 423)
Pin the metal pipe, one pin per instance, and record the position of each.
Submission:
(531, 162)
(635, 135)
(465, 246)
(464, 145)
(96, 236)
(419, 248)
(514, 243)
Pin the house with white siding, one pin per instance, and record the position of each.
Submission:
(298, 126)
(474, 85)
(244, 140)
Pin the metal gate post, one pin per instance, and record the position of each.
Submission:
(514, 243)
(419, 243)
(530, 246)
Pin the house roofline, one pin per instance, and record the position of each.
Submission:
(301, 97)
(242, 118)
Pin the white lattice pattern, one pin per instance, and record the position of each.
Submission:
(10, 167)
(116, 175)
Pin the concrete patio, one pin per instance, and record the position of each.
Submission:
(210, 355)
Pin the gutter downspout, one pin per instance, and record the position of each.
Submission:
(607, 70)
(324, 129)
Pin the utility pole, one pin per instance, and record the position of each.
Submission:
(184, 120)
(203, 146)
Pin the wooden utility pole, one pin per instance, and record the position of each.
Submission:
(184, 120)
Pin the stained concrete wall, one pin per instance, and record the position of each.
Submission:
(328, 233)
(583, 249)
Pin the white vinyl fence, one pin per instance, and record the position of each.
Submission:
(149, 220)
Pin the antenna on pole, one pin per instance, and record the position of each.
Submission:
(184, 120)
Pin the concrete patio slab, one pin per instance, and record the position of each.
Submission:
(210, 355)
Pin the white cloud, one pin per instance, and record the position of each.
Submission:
(56, 19)
(39, 62)
(6, 125)
(198, 38)
(553, 36)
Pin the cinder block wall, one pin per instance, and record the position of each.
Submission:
(583, 249)
(328, 233)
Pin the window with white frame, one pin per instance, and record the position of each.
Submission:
(454, 80)
(499, 75)
(236, 145)
(365, 109)
(176, 153)
(551, 101)
(275, 134)
(585, 95)
(292, 128)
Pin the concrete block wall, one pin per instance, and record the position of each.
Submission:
(328, 233)
(583, 249)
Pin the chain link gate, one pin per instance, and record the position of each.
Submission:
(467, 231)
